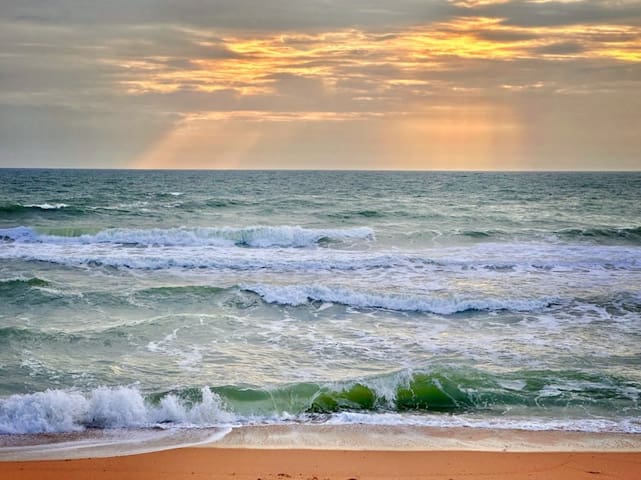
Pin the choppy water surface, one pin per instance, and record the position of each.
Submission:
(132, 299)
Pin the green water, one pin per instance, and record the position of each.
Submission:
(134, 298)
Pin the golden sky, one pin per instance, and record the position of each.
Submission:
(387, 84)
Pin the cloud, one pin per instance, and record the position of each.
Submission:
(507, 35)
(562, 48)
(285, 15)
(247, 15)
(138, 71)
(558, 13)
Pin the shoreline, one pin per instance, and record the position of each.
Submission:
(321, 452)
(322, 437)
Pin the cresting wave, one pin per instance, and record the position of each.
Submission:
(296, 295)
(628, 234)
(16, 290)
(254, 236)
(302, 295)
(17, 208)
(508, 258)
(121, 407)
(426, 395)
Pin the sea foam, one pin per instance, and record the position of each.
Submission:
(47, 206)
(253, 236)
(301, 294)
(54, 411)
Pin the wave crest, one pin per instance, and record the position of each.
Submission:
(629, 234)
(443, 390)
(296, 295)
(55, 411)
(255, 236)
(19, 208)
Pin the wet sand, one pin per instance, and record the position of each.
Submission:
(322, 452)
(268, 464)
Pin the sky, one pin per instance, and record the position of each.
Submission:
(321, 84)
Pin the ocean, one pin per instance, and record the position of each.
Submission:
(190, 299)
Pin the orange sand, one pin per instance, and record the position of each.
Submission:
(282, 464)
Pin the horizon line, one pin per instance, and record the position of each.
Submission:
(129, 169)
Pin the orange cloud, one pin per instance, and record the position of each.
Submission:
(333, 57)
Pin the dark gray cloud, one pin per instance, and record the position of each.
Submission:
(312, 14)
(531, 14)
(506, 36)
(562, 48)
(231, 14)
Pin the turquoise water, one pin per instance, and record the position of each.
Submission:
(138, 298)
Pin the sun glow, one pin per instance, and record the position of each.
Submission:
(404, 78)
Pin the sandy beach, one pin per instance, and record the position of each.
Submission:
(233, 463)
(342, 453)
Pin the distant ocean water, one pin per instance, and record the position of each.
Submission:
(181, 298)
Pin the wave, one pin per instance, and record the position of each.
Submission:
(434, 392)
(482, 234)
(255, 236)
(47, 206)
(621, 302)
(358, 213)
(590, 235)
(599, 235)
(18, 291)
(120, 407)
(67, 249)
(296, 295)
(13, 335)
(605, 234)
(18, 208)
(22, 282)
(617, 306)
(226, 202)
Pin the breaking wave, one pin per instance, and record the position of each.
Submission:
(295, 295)
(71, 247)
(120, 407)
(299, 295)
(18, 208)
(435, 392)
(256, 236)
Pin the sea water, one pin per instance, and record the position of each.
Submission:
(139, 299)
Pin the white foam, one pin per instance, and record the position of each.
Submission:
(193, 257)
(120, 407)
(191, 357)
(218, 248)
(47, 206)
(57, 411)
(108, 443)
(254, 236)
(301, 294)
(50, 411)
(594, 425)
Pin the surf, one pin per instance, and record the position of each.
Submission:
(253, 236)
(426, 395)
